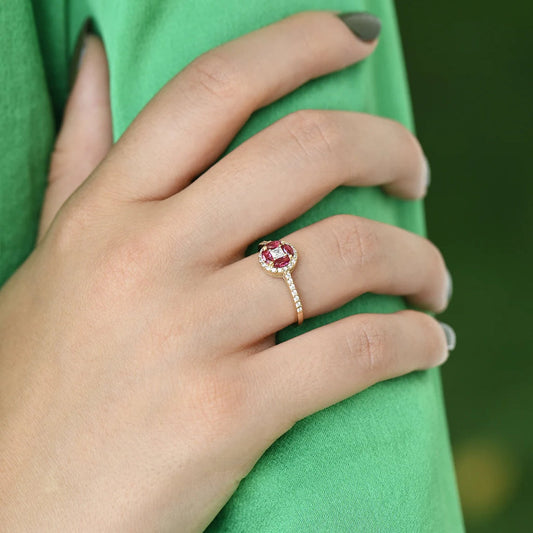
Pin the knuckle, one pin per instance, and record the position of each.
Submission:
(71, 226)
(355, 242)
(218, 76)
(127, 262)
(368, 346)
(222, 399)
(315, 132)
(228, 415)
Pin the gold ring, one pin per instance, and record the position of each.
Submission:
(279, 258)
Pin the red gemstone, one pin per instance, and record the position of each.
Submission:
(272, 244)
(287, 248)
(282, 261)
(267, 256)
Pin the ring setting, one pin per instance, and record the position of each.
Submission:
(278, 258)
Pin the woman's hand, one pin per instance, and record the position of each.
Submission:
(139, 379)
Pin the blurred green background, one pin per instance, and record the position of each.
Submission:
(471, 77)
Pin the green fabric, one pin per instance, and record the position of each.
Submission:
(379, 461)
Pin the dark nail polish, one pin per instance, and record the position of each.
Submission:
(363, 25)
(79, 50)
(428, 172)
(449, 285)
(450, 335)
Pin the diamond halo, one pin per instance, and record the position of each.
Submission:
(278, 257)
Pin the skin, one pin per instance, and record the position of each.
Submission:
(139, 377)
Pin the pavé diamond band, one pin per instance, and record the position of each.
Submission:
(279, 258)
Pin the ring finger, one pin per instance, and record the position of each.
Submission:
(340, 258)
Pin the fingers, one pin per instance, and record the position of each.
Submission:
(194, 117)
(313, 371)
(339, 258)
(86, 133)
(284, 170)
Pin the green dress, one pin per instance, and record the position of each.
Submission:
(379, 461)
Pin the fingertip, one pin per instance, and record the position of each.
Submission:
(88, 106)
(427, 172)
(447, 342)
(437, 339)
(365, 26)
(361, 32)
(418, 188)
(92, 80)
(412, 171)
(449, 335)
(79, 51)
(406, 189)
(421, 186)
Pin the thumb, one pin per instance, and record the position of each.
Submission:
(86, 134)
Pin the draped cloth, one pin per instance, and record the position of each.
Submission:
(378, 461)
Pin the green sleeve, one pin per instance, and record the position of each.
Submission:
(379, 461)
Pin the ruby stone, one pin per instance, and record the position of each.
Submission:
(273, 244)
(267, 256)
(282, 261)
(287, 248)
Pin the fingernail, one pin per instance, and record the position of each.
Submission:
(362, 25)
(79, 51)
(450, 335)
(428, 172)
(449, 286)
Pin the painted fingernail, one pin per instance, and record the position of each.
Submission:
(449, 286)
(79, 51)
(450, 335)
(428, 172)
(363, 25)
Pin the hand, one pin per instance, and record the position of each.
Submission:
(139, 379)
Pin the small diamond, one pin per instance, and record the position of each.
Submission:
(276, 253)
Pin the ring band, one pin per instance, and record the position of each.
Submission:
(278, 258)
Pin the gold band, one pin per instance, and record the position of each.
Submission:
(279, 259)
(295, 297)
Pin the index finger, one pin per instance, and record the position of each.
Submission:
(188, 124)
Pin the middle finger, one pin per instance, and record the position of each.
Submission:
(287, 168)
